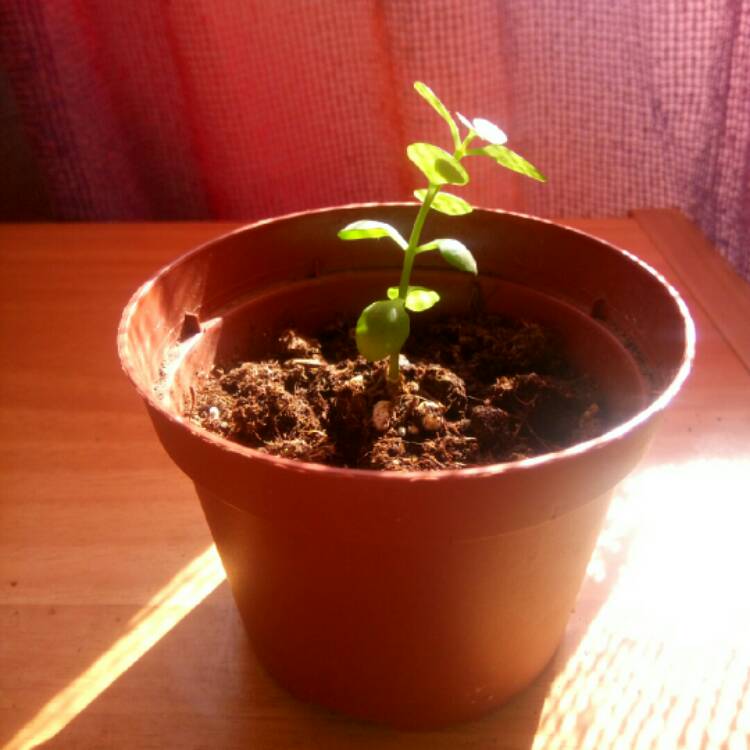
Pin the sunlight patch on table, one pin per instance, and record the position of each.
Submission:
(666, 660)
(162, 613)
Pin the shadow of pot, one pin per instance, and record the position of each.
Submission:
(413, 599)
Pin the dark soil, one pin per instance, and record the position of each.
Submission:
(473, 392)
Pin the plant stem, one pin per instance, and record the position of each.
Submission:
(416, 231)
(393, 371)
(409, 255)
(411, 249)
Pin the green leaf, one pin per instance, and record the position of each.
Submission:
(485, 129)
(437, 165)
(366, 229)
(446, 203)
(489, 132)
(429, 95)
(418, 298)
(510, 160)
(382, 329)
(457, 254)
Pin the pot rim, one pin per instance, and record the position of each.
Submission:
(295, 465)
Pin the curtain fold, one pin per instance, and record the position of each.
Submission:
(243, 109)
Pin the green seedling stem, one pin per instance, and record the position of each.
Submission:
(383, 326)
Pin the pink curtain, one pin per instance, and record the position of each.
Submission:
(242, 109)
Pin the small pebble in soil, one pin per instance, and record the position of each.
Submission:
(431, 416)
(381, 415)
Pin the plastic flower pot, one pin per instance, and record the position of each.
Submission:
(413, 599)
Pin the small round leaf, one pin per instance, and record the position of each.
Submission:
(445, 203)
(489, 132)
(382, 329)
(366, 229)
(485, 129)
(437, 165)
(418, 298)
(457, 254)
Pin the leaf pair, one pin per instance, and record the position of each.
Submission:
(453, 251)
(440, 168)
(484, 129)
(418, 298)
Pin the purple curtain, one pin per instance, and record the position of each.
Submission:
(242, 109)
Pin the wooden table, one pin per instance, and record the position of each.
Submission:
(117, 629)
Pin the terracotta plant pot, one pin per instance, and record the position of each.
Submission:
(414, 599)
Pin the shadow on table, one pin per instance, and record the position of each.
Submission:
(221, 697)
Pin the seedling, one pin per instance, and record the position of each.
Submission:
(383, 326)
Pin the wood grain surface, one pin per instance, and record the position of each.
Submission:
(117, 629)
